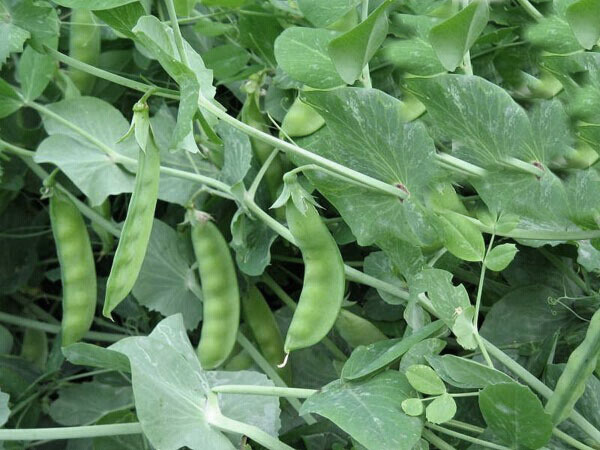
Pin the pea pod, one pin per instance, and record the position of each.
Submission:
(324, 282)
(356, 330)
(261, 321)
(84, 45)
(221, 303)
(78, 272)
(136, 230)
(35, 347)
(580, 366)
(301, 120)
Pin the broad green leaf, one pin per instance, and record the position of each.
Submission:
(365, 360)
(322, 14)
(83, 354)
(464, 373)
(461, 237)
(224, 3)
(588, 256)
(524, 316)
(258, 33)
(122, 18)
(415, 56)
(39, 19)
(380, 266)
(448, 300)
(99, 399)
(226, 60)
(9, 99)
(351, 51)
(551, 132)
(13, 39)
(4, 411)
(413, 406)
(425, 380)
(302, 54)
(35, 72)
(207, 27)
(6, 341)
(419, 352)
(453, 37)
(94, 4)
(170, 388)
(583, 189)
(238, 154)
(441, 410)
(251, 240)
(179, 292)
(583, 15)
(553, 34)
(464, 328)
(500, 257)
(515, 415)
(370, 411)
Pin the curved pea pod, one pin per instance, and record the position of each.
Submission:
(84, 46)
(259, 317)
(301, 120)
(136, 230)
(580, 366)
(78, 272)
(35, 347)
(324, 281)
(356, 330)
(221, 303)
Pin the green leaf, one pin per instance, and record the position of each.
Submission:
(180, 292)
(322, 14)
(415, 56)
(582, 16)
(515, 415)
(94, 4)
(35, 72)
(238, 154)
(554, 35)
(251, 240)
(419, 352)
(4, 410)
(99, 399)
(461, 237)
(170, 388)
(13, 39)
(500, 257)
(122, 18)
(351, 51)
(83, 354)
(302, 54)
(365, 360)
(464, 373)
(6, 341)
(425, 380)
(225, 60)
(464, 329)
(38, 18)
(370, 411)
(9, 99)
(413, 406)
(379, 265)
(441, 410)
(258, 33)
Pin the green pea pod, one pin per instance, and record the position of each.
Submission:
(136, 230)
(324, 282)
(259, 317)
(252, 116)
(107, 239)
(78, 272)
(221, 303)
(356, 330)
(580, 366)
(301, 120)
(240, 361)
(84, 46)
(35, 347)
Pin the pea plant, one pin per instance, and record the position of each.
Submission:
(299, 224)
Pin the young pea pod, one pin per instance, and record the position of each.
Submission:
(324, 282)
(78, 272)
(571, 383)
(356, 330)
(221, 303)
(35, 347)
(261, 321)
(301, 120)
(84, 46)
(136, 230)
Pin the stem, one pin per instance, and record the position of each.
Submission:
(34, 434)
(271, 373)
(465, 426)
(530, 9)
(264, 390)
(570, 440)
(261, 173)
(366, 73)
(436, 440)
(480, 343)
(466, 437)
(523, 166)
(464, 166)
(177, 32)
(467, 58)
(568, 271)
(55, 329)
(540, 387)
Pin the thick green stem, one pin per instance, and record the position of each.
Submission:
(480, 343)
(466, 437)
(35, 434)
(366, 73)
(437, 441)
(273, 391)
(178, 38)
(530, 9)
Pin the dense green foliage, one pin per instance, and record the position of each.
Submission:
(299, 224)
